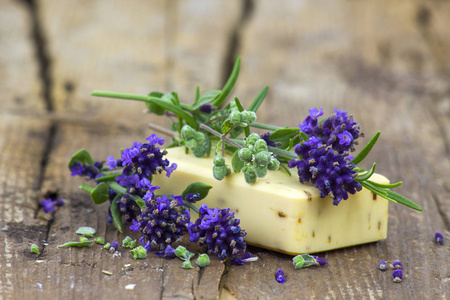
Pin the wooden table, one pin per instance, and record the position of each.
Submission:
(386, 62)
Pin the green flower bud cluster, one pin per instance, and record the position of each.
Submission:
(196, 141)
(257, 158)
(242, 118)
(220, 169)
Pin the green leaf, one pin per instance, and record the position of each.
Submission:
(377, 190)
(259, 99)
(81, 156)
(388, 186)
(206, 98)
(197, 187)
(116, 213)
(155, 108)
(100, 193)
(100, 240)
(139, 252)
(284, 135)
(403, 200)
(226, 126)
(361, 155)
(197, 95)
(34, 249)
(366, 175)
(86, 187)
(176, 110)
(86, 231)
(128, 242)
(229, 85)
(238, 104)
(120, 189)
(76, 244)
(108, 177)
(236, 162)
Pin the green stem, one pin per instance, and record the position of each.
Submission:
(210, 130)
(265, 126)
(282, 153)
(120, 189)
(86, 188)
(132, 97)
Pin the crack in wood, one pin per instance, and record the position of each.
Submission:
(441, 211)
(42, 54)
(235, 39)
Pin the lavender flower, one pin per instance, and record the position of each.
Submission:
(49, 204)
(140, 162)
(439, 238)
(192, 198)
(320, 261)
(397, 264)
(279, 276)
(382, 266)
(338, 131)
(246, 257)
(330, 172)
(162, 222)
(113, 246)
(220, 231)
(397, 275)
(90, 171)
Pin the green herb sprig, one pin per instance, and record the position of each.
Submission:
(211, 123)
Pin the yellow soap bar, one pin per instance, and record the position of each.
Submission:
(280, 213)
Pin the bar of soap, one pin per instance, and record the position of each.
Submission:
(280, 213)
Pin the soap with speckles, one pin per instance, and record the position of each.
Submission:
(280, 213)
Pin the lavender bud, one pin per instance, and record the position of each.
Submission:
(382, 266)
(439, 238)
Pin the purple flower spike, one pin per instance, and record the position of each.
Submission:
(220, 231)
(439, 238)
(279, 275)
(397, 275)
(382, 266)
(111, 162)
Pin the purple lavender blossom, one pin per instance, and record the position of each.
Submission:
(320, 261)
(439, 238)
(114, 246)
(279, 276)
(169, 252)
(382, 266)
(206, 108)
(327, 170)
(90, 171)
(192, 198)
(220, 231)
(397, 275)
(246, 257)
(338, 130)
(397, 264)
(140, 162)
(162, 223)
(49, 204)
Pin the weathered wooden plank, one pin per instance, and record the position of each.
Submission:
(19, 67)
(22, 146)
(135, 47)
(328, 54)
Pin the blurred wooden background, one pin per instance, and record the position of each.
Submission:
(386, 62)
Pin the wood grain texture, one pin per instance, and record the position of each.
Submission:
(19, 68)
(383, 61)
